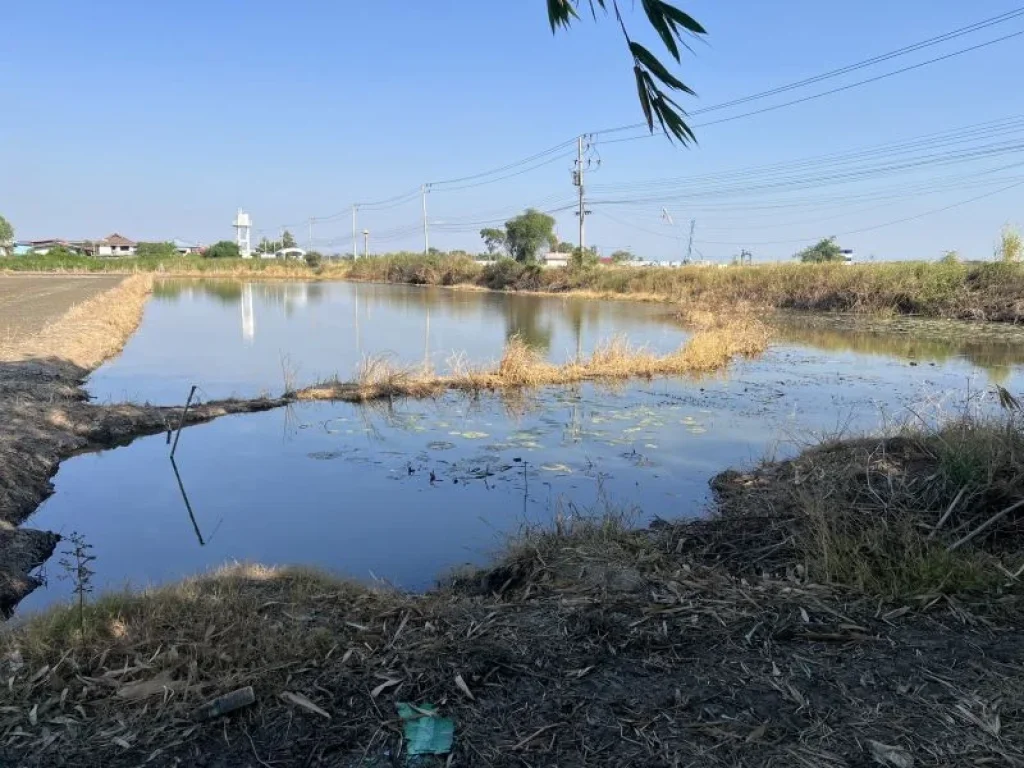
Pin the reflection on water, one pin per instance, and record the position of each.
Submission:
(191, 333)
(401, 491)
(996, 348)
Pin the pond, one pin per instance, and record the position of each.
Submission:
(404, 491)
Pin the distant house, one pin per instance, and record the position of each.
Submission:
(288, 253)
(42, 247)
(187, 249)
(555, 259)
(115, 245)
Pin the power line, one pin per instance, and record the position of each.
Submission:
(1000, 19)
(884, 224)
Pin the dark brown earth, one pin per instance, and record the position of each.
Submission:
(46, 419)
(619, 652)
(28, 302)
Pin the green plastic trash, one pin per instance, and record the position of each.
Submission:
(425, 732)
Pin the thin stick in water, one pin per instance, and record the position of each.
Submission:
(184, 415)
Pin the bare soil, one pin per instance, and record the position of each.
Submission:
(29, 302)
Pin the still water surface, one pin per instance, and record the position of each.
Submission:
(402, 492)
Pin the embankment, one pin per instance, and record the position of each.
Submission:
(46, 417)
(734, 641)
(992, 291)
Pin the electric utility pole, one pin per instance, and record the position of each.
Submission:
(577, 179)
(426, 233)
(355, 242)
(310, 234)
(689, 247)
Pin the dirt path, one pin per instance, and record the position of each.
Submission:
(28, 302)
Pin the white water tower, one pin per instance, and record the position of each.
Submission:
(243, 233)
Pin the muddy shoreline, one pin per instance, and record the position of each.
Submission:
(47, 418)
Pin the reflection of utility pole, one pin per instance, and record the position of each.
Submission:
(689, 247)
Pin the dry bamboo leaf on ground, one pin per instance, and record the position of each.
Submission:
(301, 701)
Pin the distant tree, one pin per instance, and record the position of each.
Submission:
(314, 259)
(268, 246)
(526, 233)
(823, 251)
(564, 247)
(621, 257)
(673, 27)
(60, 252)
(156, 250)
(583, 257)
(6, 236)
(494, 239)
(225, 249)
(950, 257)
(287, 240)
(553, 243)
(1010, 247)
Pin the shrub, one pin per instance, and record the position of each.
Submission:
(225, 249)
(156, 251)
(314, 259)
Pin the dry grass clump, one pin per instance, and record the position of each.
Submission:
(90, 332)
(521, 366)
(711, 348)
(925, 511)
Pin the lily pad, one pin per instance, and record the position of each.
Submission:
(556, 468)
(440, 445)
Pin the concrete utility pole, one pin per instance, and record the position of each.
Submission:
(426, 232)
(355, 242)
(578, 181)
(310, 234)
(366, 243)
(689, 247)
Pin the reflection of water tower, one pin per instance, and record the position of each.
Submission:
(248, 315)
(243, 233)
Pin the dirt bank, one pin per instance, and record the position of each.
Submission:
(46, 417)
(29, 302)
(590, 645)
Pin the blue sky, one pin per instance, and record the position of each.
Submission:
(159, 120)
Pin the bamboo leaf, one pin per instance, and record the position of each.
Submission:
(662, 25)
(655, 67)
(683, 19)
(645, 98)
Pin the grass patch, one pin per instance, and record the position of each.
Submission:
(924, 511)
(521, 366)
(947, 289)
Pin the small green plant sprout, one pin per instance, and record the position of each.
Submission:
(75, 564)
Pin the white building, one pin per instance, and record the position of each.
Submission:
(115, 245)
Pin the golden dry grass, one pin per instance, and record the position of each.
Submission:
(521, 366)
(90, 332)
